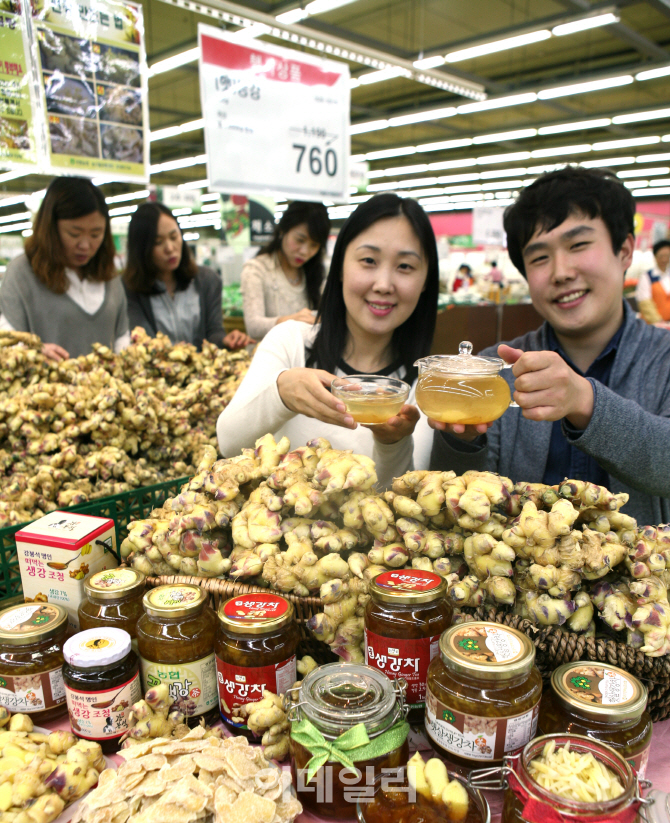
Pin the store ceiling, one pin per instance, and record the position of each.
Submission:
(412, 30)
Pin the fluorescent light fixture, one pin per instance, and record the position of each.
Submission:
(582, 88)
(642, 193)
(459, 178)
(504, 184)
(293, 16)
(252, 31)
(610, 145)
(174, 131)
(652, 74)
(661, 182)
(560, 150)
(25, 233)
(379, 155)
(665, 138)
(122, 210)
(635, 184)
(429, 62)
(422, 192)
(610, 161)
(191, 235)
(206, 198)
(183, 163)
(15, 227)
(583, 124)
(12, 201)
(504, 135)
(445, 144)
(382, 74)
(181, 212)
(641, 116)
(13, 218)
(503, 158)
(585, 23)
(498, 103)
(422, 116)
(636, 172)
(322, 6)
(652, 158)
(362, 128)
(211, 207)
(124, 198)
(174, 62)
(13, 175)
(417, 169)
(452, 164)
(194, 184)
(502, 173)
(498, 45)
(117, 221)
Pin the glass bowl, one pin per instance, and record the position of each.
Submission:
(369, 398)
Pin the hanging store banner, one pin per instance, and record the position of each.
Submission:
(18, 138)
(276, 120)
(92, 74)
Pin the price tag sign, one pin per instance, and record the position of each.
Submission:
(276, 120)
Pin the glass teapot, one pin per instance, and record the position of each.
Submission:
(462, 388)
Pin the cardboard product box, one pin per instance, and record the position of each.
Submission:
(58, 551)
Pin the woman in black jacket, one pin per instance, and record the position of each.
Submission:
(166, 290)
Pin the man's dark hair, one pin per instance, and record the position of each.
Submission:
(553, 197)
(414, 338)
(660, 244)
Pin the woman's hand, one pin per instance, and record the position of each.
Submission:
(305, 391)
(303, 316)
(466, 433)
(237, 339)
(395, 428)
(52, 351)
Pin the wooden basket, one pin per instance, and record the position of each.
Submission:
(220, 590)
(555, 646)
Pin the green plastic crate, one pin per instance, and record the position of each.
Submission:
(121, 508)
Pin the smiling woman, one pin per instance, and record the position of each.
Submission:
(64, 288)
(377, 316)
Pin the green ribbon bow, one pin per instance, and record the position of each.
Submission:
(352, 746)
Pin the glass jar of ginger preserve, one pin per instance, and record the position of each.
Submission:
(602, 702)
(256, 642)
(483, 694)
(113, 599)
(404, 619)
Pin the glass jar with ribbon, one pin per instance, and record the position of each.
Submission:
(536, 793)
(348, 725)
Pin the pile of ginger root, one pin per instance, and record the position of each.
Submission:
(105, 423)
(311, 522)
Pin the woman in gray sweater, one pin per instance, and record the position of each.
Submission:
(64, 288)
(167, 292)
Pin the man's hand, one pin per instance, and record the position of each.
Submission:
(395, 428)
(466, 433)
(547, 388)
(54, 352)
(237, 339)
(305, 391)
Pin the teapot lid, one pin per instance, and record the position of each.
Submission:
(465, 362)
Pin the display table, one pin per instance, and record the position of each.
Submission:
(658, 770)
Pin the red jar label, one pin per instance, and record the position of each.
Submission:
(403, 658)
(32, 692)
(256, 606)
(411, 581)
(92, 719)
(478, 738)
(239, 685)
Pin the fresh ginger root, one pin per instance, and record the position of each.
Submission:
(152, 717)
(267, 719)
(431, 780)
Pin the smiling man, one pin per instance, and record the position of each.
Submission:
(593, 382)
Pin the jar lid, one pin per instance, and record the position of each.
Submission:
(337, 696)
(255, 613)
(488, 651)
(31, 623)
(465, 362)
(176, 600)
(113, 583)
(599, 691)
(97, 647)
(408, 586)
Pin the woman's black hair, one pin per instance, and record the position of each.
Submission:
(315, 215)
(141, 272)
(414, 338)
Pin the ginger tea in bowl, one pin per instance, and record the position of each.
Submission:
(462, 389)
(370, 398)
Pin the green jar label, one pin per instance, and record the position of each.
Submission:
(192, 685)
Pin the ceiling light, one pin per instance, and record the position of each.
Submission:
(641, 116)
(560, 150)
(12, 201)
(252, 31)
(124, 198)
(383, 74)
(13, 175)
(498, 45)
(174, 131)
(611, 161)
(498, 103)
(422, 116)
(422, 192)
(581, 88)
(174, 62)
(194, 184)
(504, 158)
(648, 172)
(25, 233)
(661, 182)
(211, 207)
(16, 227)
(585, 23)
(652, 158)
(206, 198)
(445, 144)
(635, 184)
(191, 235)
(184, 163)
(13, 218)
(405, 169)
(181, 212)
(502, 173)
(584, 124)
(641, 193)
(362, 128)
(652, 74)
(610, 145)
(504, 135)
(665, 138)
(452, 164)
(293, 16)
(504, 184)
(122, 210)
(322, 6)
(379, 155)
(429, 62)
